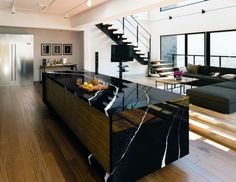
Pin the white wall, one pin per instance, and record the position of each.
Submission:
(97, 41)
(114, 9)
(221, 19)
(51, 36)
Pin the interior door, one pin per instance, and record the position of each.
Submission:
(16, 59)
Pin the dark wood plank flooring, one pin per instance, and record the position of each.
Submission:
(35, 147)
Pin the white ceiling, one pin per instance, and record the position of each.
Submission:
(56, 7)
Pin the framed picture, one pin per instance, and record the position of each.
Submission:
(46, 49)
(56, 49)
(67, 49)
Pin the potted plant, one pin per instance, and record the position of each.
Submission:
(178, 74)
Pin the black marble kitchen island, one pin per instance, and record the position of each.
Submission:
(130, 129)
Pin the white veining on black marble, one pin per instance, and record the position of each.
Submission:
(89, 100)
(112, 101)
(89, 159)
(136, 132)
(106, 177)
(163, 163)
(179, 150)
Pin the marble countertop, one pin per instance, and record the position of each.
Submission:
(121, 95)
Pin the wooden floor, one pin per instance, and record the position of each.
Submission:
(34, 147)
(215, 126)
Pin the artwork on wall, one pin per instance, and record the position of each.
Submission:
(67, 49)
(56, 49)
(45, 49)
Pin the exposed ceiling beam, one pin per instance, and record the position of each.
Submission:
(115, 9)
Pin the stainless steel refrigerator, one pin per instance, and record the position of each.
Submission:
(16, 59)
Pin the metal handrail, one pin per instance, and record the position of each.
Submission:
(136, 27)
(134, 34)
(140, 25)
(197, 55)
(139, 32)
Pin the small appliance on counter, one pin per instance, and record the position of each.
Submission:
(64, 60)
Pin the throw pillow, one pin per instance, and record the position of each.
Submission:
(183, 69)
(192, 68)
(204, 70)
(215, 74)
(228, 76)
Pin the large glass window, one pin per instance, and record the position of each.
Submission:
(196, 49)
(172, 49)
(181, 4)
(220, 50)
(223, 49)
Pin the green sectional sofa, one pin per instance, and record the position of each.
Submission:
(220, 97)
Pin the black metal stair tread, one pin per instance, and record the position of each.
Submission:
(127, 42)
(107, 25)
(118, 33)
(120, 40)
(112, 29)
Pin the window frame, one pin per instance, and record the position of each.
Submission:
(207, 46)
(171, 8)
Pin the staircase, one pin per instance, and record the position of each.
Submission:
(128, 31)
(162, 68)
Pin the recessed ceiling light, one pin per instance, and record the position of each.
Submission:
(89, 3)
(66, 16)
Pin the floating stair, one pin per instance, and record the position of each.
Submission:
(162, 68)
(119, 38)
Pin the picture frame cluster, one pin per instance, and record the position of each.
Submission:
(48, 49)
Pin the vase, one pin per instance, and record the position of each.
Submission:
(178, 78)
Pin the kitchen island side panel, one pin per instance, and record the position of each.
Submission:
(90, 125)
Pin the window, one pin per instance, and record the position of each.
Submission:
(223, 49)
(172, 49)
(181, 4)
(220, 50)
(196, 49)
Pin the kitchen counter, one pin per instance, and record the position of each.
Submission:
(127, 95)
(130, 129)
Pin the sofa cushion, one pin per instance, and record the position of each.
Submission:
(204, 70)
(223, 70)
(192, 68)
(204, 78)
(227, 85)
(215, 74)
(214, 93)
(229, 76)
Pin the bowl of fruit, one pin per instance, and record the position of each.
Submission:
(94, 85)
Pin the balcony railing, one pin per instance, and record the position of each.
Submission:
(220, 59)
